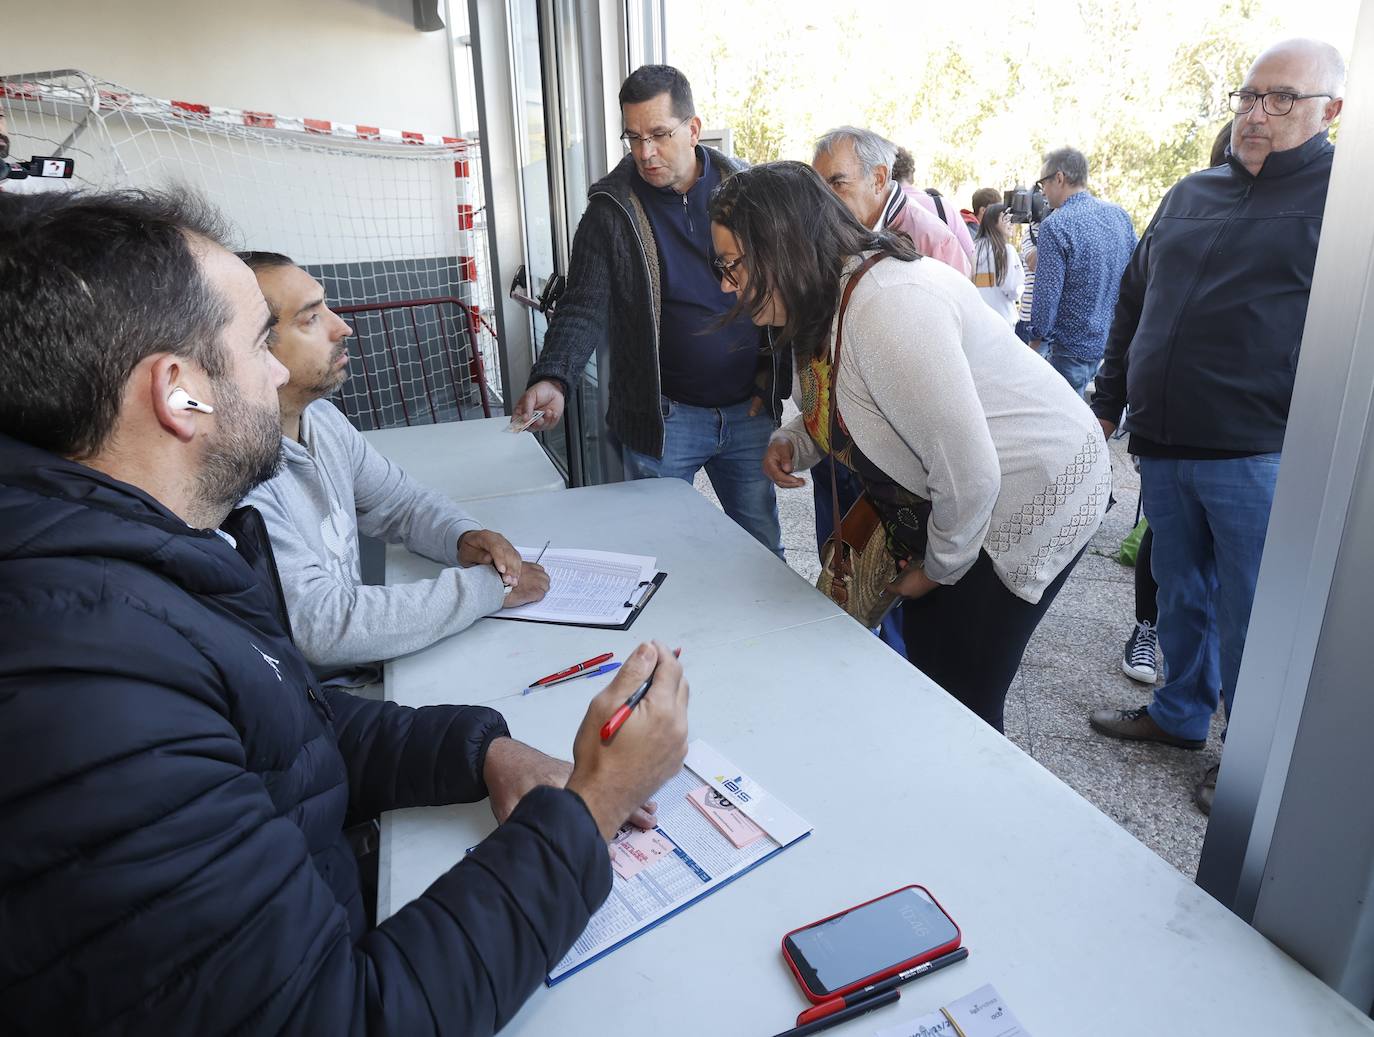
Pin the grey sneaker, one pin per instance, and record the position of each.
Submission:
(1136, 725)
(1140, 658)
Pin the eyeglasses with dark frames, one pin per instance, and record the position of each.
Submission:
(726, 271)
(634, 139)
(1275, 102)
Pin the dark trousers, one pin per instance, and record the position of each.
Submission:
(849, 489)
(1146, 590)
(969, 637)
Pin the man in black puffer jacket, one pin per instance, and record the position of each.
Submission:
(1203, 349)
(174, 783)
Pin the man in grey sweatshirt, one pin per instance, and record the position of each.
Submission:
(332, 484)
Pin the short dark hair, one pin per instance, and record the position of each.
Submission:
(903, 166)
(795, 236)
(649, 81)
(985, 196)
(256, 261)
(94, 284)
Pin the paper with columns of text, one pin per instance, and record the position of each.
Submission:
(586, 588)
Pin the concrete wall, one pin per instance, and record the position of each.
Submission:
(350, 61)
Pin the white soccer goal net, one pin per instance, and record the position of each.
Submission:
(390, 222)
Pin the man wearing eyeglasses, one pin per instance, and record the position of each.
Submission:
(1081, 249)
(1203, 350)
(686, 392)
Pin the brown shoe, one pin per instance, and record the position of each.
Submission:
(1136, 725)
(1206, 789)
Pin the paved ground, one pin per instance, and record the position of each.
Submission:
(1073, 665)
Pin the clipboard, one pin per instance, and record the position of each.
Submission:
(644, 594)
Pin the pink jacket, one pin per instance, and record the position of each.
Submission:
(926, 231)
(954, 221)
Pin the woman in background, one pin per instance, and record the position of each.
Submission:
(997, 271)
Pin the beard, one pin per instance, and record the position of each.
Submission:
(333, 377)
(245, 454)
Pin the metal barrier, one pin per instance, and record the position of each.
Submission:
(414, 357)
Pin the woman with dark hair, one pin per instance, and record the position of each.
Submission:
(997, 271)
(988, 471)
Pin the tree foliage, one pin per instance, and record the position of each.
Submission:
(1139, 88)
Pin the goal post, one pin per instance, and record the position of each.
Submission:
(378, 216)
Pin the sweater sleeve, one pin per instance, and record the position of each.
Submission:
(186, 902)
(906, 343)
(390, 504)
(1015, 281)
(579, 322)
(337, 622)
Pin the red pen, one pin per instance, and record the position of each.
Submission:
(618, 718)
(595, 661)
(827, 1008)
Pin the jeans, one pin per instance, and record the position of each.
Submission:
(1209, 519)
(1077, 373)
(850, 488)
(729, 444)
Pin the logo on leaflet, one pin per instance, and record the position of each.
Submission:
(736, 787)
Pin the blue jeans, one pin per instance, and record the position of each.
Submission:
(1077, 373)
(729, 444)
(1209, 520)
(850, 488)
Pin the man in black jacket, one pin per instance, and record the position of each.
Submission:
(686, 392)
(1203, 350)
(174, 783)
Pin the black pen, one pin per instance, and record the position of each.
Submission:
(865, 1006)
(892, 982)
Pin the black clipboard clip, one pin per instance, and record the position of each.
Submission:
(646, 590)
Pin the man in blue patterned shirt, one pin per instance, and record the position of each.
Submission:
(1084, 246)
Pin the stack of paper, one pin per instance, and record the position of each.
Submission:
(587, 588)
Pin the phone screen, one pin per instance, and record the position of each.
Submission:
(835, 954)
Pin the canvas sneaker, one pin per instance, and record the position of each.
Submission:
(1140, 657)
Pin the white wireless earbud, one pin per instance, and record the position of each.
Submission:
(179, 399)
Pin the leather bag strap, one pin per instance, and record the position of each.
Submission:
(863, 268)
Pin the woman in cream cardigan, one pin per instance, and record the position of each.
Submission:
(991, 475)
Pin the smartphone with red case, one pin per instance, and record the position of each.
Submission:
(869, 943)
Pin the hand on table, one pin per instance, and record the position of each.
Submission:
(513, 768)
(613, 777)
(546, 396)
(777, 465)
(528, 581)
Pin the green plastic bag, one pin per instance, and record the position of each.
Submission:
(1130, 547)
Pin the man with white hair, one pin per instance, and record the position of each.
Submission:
(857, 165)
(1203, 350)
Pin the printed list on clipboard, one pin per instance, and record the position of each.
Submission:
(590, 588)
(714, 824)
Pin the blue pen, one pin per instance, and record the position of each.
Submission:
(604, 668)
